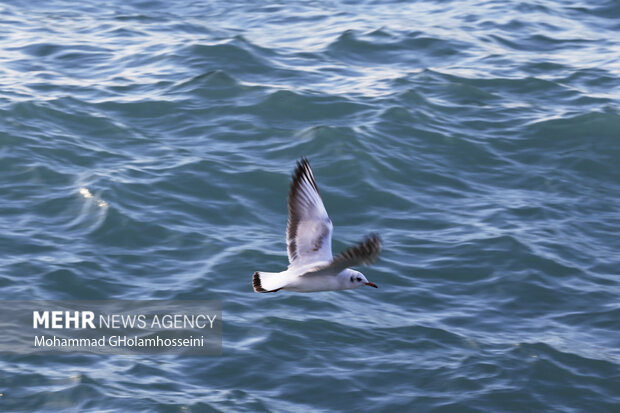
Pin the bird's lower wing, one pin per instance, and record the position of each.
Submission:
(364, 253)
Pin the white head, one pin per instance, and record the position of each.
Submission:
(353, 279)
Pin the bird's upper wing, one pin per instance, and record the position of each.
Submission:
(309, 229)
(363, 253)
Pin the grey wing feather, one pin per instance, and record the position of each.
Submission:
(364, 253)
(309, 229)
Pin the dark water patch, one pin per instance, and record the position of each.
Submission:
(581, 142)
(551, 366)
(120, 230)
(245, 43)
(142, 18)
(213, 85)
(58, 281)
(216, 78)
(545, 68)
(605, 319)
(541, 294)
(607, 9)
(41, 50)
(76, 60)
(460, 94)
(287, 107)
(382, 48)
(533, 8)
(124, 32)
(519, 86)
(20, 176)
(149, 110)
(238, 56)
(595, 125)
(539, 43)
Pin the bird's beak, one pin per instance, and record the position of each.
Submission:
(371, 284)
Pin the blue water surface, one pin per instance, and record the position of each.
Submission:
(146, 150)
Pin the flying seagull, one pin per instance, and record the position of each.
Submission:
(309, 243)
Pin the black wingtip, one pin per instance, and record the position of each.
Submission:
(258, 287)
(302, 171)
(256, 283)
(375, 239)
(374, 243)
(370, 248)
(301, 165)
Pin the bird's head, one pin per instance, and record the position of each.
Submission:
(356, 279)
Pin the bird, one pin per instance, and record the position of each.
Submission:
(312, 267)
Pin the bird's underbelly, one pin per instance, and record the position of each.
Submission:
(313, 283)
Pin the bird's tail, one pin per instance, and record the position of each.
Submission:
(267, 282)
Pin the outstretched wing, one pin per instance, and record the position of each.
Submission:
(364, 253)
(309, 229)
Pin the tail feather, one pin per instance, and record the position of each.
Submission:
(264, 282)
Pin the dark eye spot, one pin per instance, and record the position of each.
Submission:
(359, 279)
(351, 278)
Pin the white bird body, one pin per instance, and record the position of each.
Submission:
(292, 281)
(309, 232)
